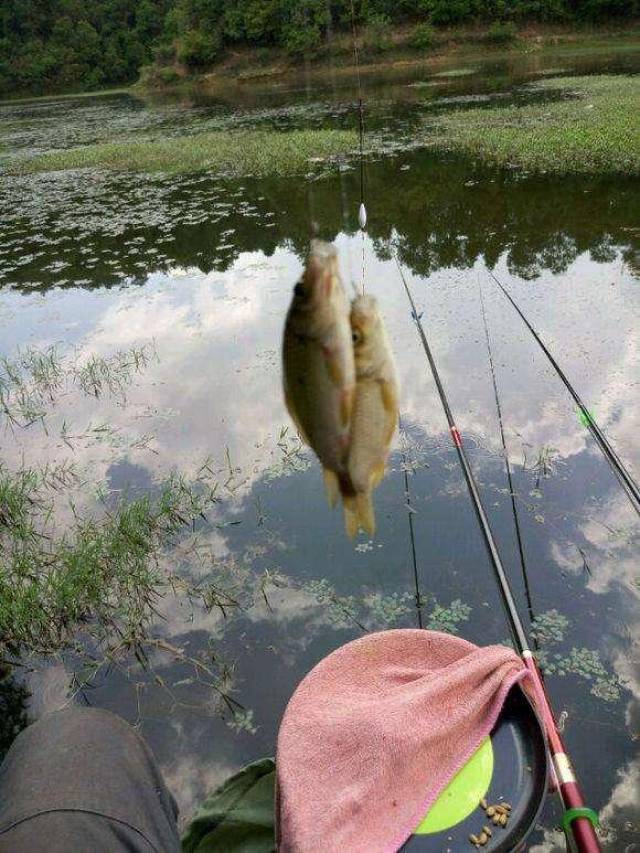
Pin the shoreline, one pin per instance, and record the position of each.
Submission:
(239, 68)
(469, 44)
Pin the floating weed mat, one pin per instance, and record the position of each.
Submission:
(592, 128)
(231, 153)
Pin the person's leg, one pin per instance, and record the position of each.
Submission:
(83, 780)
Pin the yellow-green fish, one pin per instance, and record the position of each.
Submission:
(375, 413)
(318, 365)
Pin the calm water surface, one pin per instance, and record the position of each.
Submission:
(200, 268)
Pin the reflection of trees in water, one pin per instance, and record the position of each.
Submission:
(445, 212)
(539, 223)
(14, 698)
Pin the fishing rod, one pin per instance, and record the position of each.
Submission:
(507, 465)
(578, 821)
(412, 538)
(623, 475)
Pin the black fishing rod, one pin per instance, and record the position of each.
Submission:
(412, 538)
(623, 475)
(507, 465)
(578, 820)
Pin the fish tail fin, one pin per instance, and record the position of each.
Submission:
(365, 512)
(332, 486)
(350, 516)
(359, 514)
(377, 475)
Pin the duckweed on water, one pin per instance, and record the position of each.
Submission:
(448, 619)
(232, 153)
(377, 611)
(387, 610)
(549, 630)
(593, 128)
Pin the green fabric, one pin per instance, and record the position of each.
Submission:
(238, 817)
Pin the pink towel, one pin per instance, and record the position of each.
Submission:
(377, 730)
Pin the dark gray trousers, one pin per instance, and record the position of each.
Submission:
(83, 781)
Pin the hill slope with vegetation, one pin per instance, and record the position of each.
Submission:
(61, 45)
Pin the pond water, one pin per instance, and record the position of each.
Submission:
(199, 269)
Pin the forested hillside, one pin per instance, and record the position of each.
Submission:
(53, 45)
(72, 44)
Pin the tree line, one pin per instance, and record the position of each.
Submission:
(56, 45)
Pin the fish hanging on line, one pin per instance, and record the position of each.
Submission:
(375, 413)
(319, 366)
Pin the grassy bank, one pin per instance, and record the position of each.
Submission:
(231, 153)
(592, 128)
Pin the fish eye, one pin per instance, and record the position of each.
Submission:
(356, 336)
(299, 289)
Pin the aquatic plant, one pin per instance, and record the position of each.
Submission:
(387, 610)
(549, 629)
(543, 466)
(448, 619)
(256, 152)
(112, 373)
(101, 573)
(31, 380)
(607, 689)
(293, 456)
(377, 610)
(342, 610)
(27, 382)
(591, 127)
(242, 720)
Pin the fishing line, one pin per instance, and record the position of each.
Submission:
(578, 821)
(362, 211)
(412, 539)
(313, 223)
(621, 472)
(341, 173)
(507, 465)
(515, 625)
